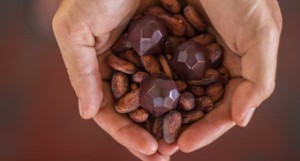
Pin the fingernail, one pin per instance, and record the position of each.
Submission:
(248, 117)
(81, 111)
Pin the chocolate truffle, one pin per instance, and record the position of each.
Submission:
(159, 94)
(190, 60)
(147, 35)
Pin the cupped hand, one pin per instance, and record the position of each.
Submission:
(85, 30)
(250, 32)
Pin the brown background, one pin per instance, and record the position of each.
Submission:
(39, 119)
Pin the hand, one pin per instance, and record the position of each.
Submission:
(84, 31)
(250, 31)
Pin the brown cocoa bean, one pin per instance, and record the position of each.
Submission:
(196, 91)
(204, 104)
(133, 86)
(148, 124)
(171, 126)
(215, 92)
(138, 77)
(211, 76)
(139, 115)
(120, 64)
(132, 57)
(150, 64)
(119, 84)
(156, 11)
(190, 30)
(173, 42)
(172, 6)
(157, 128)
(165, 66)
(168, 56)
(121, 44)
(192, 116)
(215, 54)
(194, 18)
(174, 25)
(224, 76)
(182, 86)
(204, 39)
(128, 102)
(187, 101)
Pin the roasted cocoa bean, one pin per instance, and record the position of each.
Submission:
(156, 11)
(196, 91)
(187, 101)
(215, 92)
(128, 102)
(182, 86)
(204, 104)
(165, 66)
(133, 86)
(190, 30)
(132, 57)
(171, 126)
(191, 116)
(172, 6)
(157, 128)
(121, 44)
(204, 39)
(120, 64)
(173, 42)
(194, 18)
(119, 84)
(211, 76)
(138, 77)
(174, 25)
(150, 64)
(139, 115)
(224, 76)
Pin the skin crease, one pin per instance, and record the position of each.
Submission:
(85, 30)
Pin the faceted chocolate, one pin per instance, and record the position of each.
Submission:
(147, 35)
(159, 94)
(190, 60)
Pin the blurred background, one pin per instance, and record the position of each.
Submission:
(39, 117)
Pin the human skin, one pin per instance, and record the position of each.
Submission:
(249, 31)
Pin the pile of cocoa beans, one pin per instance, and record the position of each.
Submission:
(197, 97)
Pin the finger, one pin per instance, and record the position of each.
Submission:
(258, 70)
(212, 126)
(76, 43)
(167, 149)
(121, 128)
(154, 157)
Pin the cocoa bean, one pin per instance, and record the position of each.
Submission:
(150, 64)
(157, 128)
(182, 86)
(132, 57)
(139, 115)
(204, 39)
(138, 77)
(133, 86)
(187, 101)
(192, 116)
(148, 124)
(190, 30)
(224, 76)
(121, 44)
(196, 91)
(168, 56)
(156, 11)
(204, 104)
(171, 126)
(128, 102)
(172, 6)
(165, 66)
(215, 92)
(174, 25)
(194, 18)
(173, 42)
(120, 64)
(215, 54)
(211, 76)
(119, 84)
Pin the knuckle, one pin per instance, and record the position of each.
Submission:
(268, 89)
